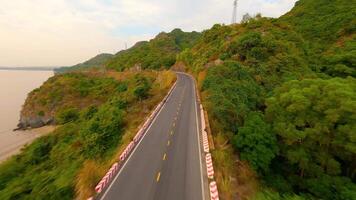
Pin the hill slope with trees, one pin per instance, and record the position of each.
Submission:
(281, 98)
(158, 53)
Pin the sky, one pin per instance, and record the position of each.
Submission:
(67, 32)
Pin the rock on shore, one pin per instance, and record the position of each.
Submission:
(34, 122)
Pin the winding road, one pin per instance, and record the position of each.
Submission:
(167, 163)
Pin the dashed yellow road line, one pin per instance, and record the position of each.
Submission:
(171, 132)
(174, 124)
(158, 176)
(168, 143)
(164, 156)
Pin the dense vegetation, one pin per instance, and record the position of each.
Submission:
(328, 27)
(158, 53)
(281, 93)
(97, 62)
(70, 90)
(67, 163)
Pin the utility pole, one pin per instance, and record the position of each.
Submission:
(234, 13)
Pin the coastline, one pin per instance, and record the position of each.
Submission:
(10, 146)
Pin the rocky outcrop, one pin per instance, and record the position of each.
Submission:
(34, 122)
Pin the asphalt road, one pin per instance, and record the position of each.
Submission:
(166, 165)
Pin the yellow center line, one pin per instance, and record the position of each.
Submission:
(174, 124)
(168, 143)
(164, 156)
(171, 132)
(158, 176)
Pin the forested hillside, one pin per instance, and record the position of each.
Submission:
(158, 53)
(281, 97)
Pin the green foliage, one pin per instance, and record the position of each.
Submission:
(67, 115)
(323, 20)
(256, 142)
(233, 93)
(41, 113)
(158, 53)
(329, 28)
(314, 120)
(143, 85)
(47, 167)
(102, 131)
(71, 91)
(122, 87)
(270, 195)
(252, 46)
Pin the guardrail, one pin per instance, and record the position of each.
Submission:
(213, 188)
(115, 168)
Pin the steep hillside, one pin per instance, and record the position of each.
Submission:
(323, 21)
(158, 53)
(281, 102)
(99, 115)
(329, 27)
(98, 61)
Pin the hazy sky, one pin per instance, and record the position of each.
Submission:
(67, 32)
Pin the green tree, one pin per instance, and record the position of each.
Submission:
(256, 142)
(315, 121)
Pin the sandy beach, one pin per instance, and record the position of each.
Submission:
(11, 142)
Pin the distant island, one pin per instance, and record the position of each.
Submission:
(30, 68)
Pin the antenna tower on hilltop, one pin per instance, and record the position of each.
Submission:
(234, 13)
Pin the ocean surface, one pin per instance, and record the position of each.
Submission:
(14, 87)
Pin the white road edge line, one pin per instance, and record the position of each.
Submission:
(196, 118)
(201, 168)
(132, 153)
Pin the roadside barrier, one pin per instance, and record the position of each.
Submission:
(108, 176)
(205, 142)
(208, 159)
(209, 166)
(106, 180)
(203, 126)
(214, 195)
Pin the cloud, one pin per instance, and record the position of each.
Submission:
(66, 32)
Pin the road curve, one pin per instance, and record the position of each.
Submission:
(166, 164)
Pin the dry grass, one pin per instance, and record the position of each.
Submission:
(235, 179)
(93, 171)
(87, 178)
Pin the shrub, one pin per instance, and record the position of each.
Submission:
(256, 142)
(67, 115)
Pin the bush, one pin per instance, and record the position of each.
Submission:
(256, 142)
(67, 115)
(102, 131)
(143, 85)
